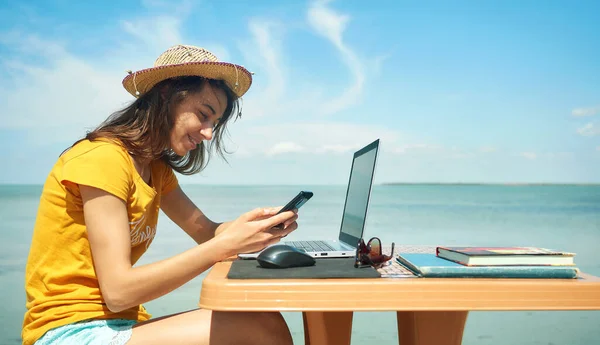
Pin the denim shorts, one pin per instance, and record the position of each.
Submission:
(91, 332)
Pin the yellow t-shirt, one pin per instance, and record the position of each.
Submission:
(60, 280)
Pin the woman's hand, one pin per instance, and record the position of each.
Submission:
(256, 229)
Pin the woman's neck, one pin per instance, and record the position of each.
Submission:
(143, 168)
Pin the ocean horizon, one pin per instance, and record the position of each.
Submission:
(562, 216)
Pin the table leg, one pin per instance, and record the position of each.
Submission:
(431, 327)
(327, 328)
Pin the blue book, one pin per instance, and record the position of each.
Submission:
(432, 266)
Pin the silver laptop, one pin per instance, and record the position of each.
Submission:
(354, 214)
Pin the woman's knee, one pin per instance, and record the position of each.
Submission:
(272, 321)
(261, 327)
(215, 328)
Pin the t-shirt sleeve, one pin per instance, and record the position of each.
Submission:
(169, 180)
(105, 167)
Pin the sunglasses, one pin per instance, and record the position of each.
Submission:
(370, 254)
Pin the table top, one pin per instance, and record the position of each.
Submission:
(396, 294)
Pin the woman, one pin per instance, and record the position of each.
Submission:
(99, 209)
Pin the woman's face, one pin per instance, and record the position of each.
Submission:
(195, 117)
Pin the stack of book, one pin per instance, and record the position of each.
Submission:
(491, 262)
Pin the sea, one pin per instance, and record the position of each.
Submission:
(563, 217)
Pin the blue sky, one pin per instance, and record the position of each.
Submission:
(463, 91)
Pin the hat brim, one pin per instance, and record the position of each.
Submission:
(237, 78)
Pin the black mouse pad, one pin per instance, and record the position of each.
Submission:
(323, 268)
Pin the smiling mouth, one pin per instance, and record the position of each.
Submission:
(193, 141)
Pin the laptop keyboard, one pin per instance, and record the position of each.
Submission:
(311, 246)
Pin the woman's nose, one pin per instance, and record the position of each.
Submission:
(207, 133)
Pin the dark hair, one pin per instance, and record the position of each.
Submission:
(144, 126)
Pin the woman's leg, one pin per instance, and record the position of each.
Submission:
(204, 327)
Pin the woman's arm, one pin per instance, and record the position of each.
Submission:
(123, 286)
(183, 212)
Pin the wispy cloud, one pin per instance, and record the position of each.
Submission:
(458, 153)
(166, 30)
(487, 149)
(29, 45)
(269, 48)
(338, 148)
(528, 155)
(65, 91)
(421, 148)
(438, 150)
(589, 111)
(559, 155)
(71, 93)
(378, 63)
(68, 93)
(312, 137)
(284, 147)
(416, 151)
(263, 53)
(331, 25)
(589, 130)
(273, 93)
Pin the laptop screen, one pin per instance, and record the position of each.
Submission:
(357, 195)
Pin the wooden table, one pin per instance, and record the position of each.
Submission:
(429, 311)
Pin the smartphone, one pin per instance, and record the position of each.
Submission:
(295, 203)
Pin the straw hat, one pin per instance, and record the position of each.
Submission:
(186, 60)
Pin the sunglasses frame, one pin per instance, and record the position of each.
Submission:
(363, 258)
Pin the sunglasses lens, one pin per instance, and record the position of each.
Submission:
(375, 246)
(371, 253)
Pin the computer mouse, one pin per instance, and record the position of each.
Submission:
(284, 256)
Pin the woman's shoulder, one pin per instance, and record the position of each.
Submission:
(103, 164)
(101, 148)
